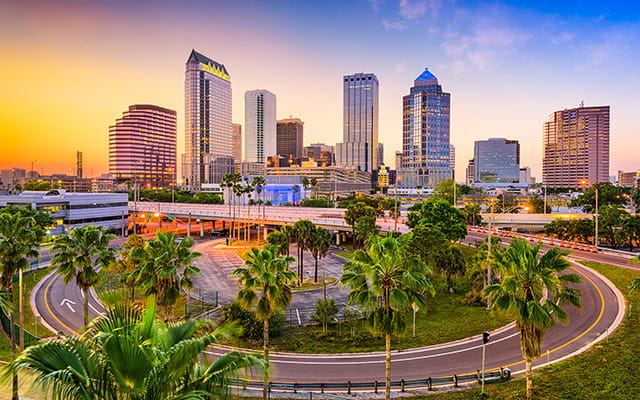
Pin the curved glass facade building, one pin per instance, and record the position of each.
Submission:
(425, 133)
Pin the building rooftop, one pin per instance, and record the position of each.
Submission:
(426, 78)
(195, 56)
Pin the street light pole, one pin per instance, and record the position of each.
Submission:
(597, 242)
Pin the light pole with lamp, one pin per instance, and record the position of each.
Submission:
(485, 339)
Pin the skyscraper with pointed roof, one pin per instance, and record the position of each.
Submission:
(425, 133)
(208, 134)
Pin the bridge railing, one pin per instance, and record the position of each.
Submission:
(349, 387)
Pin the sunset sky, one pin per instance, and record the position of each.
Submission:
(68, 69)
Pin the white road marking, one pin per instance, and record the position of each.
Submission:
(68, 303)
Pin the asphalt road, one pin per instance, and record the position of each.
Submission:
(601, 309)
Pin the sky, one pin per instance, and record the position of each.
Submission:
(68, 69)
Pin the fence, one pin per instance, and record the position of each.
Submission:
(429, 383)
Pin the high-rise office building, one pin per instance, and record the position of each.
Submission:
(259, 125)
(236, 138)
(142, 146)
(79, 164)
(525, 175)
(576, 147)
(471, 173)
(497, 160)
(208, 137)
(425, 133)
(452, 161)
(359, 149)
(380, 154)
(289, 137)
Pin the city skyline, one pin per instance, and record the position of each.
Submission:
(506, 66)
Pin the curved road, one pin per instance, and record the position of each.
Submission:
(60, 307)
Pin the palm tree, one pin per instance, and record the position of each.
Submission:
(129, 355)
(20, 237)
(289, 233)
(166, 268)
(314, 183)
(265, 283)
(280, 241)
(231, 181)
(319, 244)
(126, 266)
(635, 284)
(76, 255)
(303, 230)
(525, 279)
(258, 183)
(385, 281)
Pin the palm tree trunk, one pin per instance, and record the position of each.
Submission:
(315, 272)
(265, 345)
(529, 379)
(85, 306)
(14, 349)
(387, 366)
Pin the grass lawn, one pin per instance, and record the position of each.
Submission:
(606, 371)
(433, 326)
(30, 323)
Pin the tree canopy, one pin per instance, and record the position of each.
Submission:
(441, 215)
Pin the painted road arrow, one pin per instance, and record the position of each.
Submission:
(68, 303)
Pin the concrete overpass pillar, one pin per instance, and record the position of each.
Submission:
(338, 239)
(189, 225)
(266, 231)
(201, 228)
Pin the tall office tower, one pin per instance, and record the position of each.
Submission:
(497, 160)
(236, 139)
(398, 160)
(525, 175)
(576, 147)
(359, 149)
(259, 125)
(208, 138)
(289, 137)
(142, 146)
(380, 154)
(425, 133)
(79, 164)
(471, 172)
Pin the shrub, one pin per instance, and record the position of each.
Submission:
(251, 327)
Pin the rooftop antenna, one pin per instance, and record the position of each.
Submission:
(581, 103)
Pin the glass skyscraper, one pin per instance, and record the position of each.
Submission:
(208, 137)
(576, 147)
(142, 147)
(359, 149)
(496, 160)
(425, 133)
(259, 125)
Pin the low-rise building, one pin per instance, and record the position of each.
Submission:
(71, 210)
(331, 180)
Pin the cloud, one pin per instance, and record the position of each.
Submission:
(561, 38)
(395, 25)
(375, 4)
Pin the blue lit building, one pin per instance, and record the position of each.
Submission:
(425, 134)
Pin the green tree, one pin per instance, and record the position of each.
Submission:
(472, 215)
(166, 268)
(611, 225)
(325, 312)
(441, 215)
(526, 278)
(303, 231)
(319, 244)
(608, 194)
(76, 255)
(449, 261)
(385, 280)
(364, 227)
(280, 241)
(126, 265)
(632, 228)
(265, 284)
(444, 190)
(129, 355)
(37, 185)
(290, 233)
(538, 206)
(425, 241)
(20, 237)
